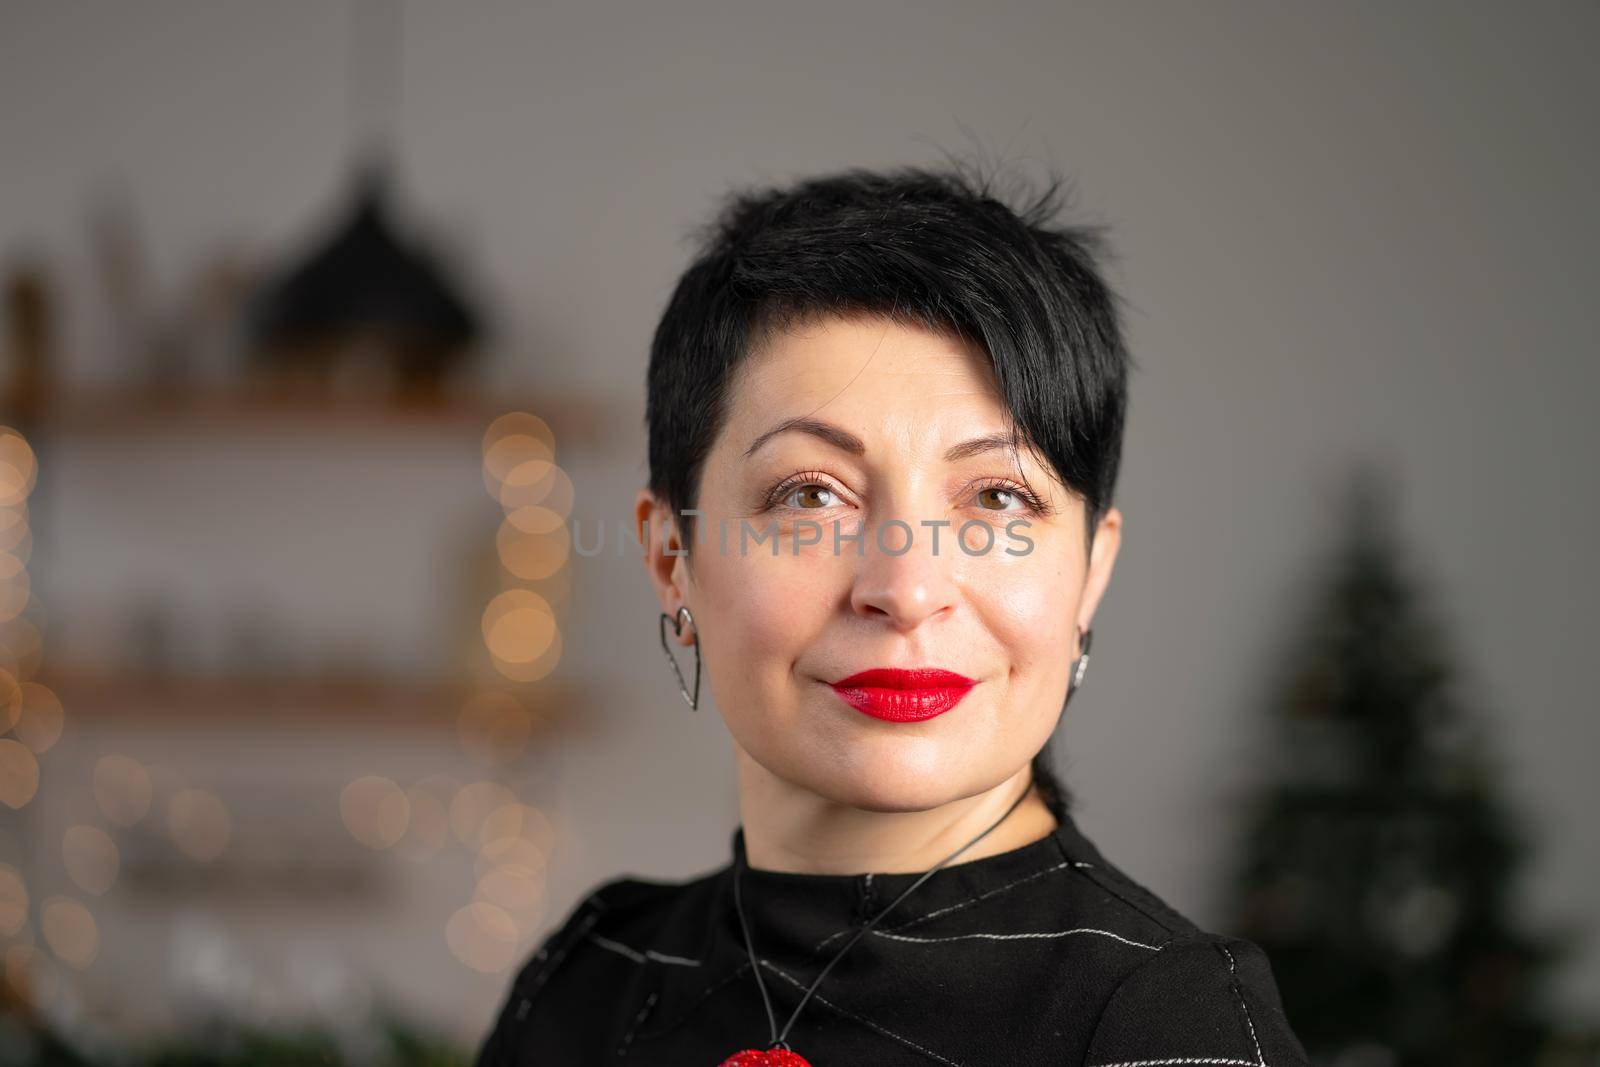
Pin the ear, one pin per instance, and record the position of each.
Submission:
(1102, 557)
(655, 527)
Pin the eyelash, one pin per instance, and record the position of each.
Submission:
(775, 496)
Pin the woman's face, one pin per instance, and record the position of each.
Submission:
(779, 618)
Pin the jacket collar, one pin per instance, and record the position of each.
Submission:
(799, 921)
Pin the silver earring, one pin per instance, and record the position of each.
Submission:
(677, 628)
(1083, 662)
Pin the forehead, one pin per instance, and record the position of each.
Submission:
(869, 368)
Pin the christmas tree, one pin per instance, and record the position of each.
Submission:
(1379, 866)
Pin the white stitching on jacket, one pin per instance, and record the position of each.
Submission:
(861, 1018)
(1010, 937)
(639, 957)
(1233, 973)
(627, 1038)
(980, 898)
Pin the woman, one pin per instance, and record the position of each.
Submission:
(885, 416)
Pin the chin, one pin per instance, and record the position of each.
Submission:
(891, 785)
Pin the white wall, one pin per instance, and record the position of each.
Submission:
(1343, 230)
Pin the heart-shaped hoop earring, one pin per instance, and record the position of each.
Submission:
(677, 629)
(1083, 662)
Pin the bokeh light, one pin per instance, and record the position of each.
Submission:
(70, 931)
(517, 891)
(471, 808)
(10, 700)
(519, 626)
(519, 820)
(15, 586)
(428, 828)
(13, 900)
(14, 528)
(376, 811)
(22, 643)
(534, 670)
(516, 852)
(482, 936)
(533, 542)
(19, 773)
(40, 717)
(91, 857)
(122, 789)
(22, 549)
(18, 468)
(520, 631)
(513, 439)
(33, 978)
(200, 823)
(537, 483)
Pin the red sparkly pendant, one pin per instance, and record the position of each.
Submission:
(775, 1057)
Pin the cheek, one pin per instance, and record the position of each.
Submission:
(765, 613)
(1028, 605)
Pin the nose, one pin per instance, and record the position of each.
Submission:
(902, 577)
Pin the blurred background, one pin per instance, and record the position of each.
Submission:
(323, 325)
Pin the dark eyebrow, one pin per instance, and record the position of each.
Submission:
(849, 442)
(979, 445)
(830, 433)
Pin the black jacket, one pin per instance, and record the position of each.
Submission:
(1043, 954)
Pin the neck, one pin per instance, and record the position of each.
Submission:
(790, 828)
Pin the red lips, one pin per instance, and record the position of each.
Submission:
(897, 695)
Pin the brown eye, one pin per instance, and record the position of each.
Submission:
(812, 495)
(995, 492)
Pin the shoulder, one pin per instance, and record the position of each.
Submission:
(1198, 997)
(611, 916)
(1201, 998)
(594, 936)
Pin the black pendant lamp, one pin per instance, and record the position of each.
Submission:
(365, 286)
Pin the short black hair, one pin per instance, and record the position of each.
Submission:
(939, 248)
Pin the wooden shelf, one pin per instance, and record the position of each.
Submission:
(143, 413)
(108, 695)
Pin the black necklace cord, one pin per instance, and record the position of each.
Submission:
(738, 905)
(778, 1039)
